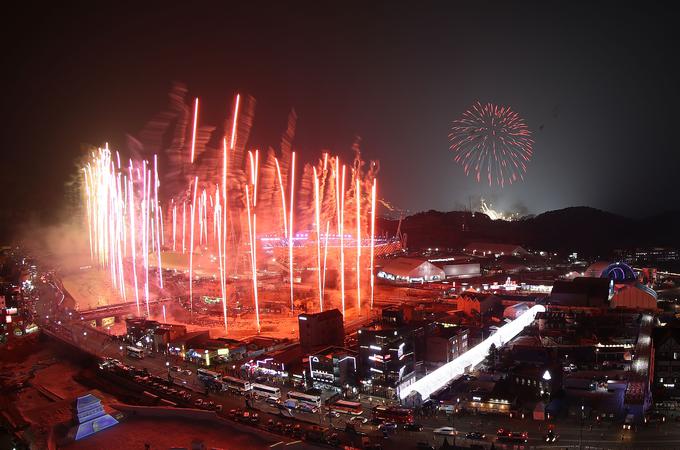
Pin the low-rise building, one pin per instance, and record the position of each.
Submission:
(472, 303)
(445, 344)
(386, 359)
(334, 368)
(321, 330)
(667, 365)
(282, 364)
(411, 270)
(581, 292)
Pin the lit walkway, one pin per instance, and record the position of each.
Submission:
(440, 377)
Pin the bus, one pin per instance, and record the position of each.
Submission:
(313, 400)
(392, 414)
(135, 352)
(207, 375)
(236, 384)
(345, 407)
(262, 390)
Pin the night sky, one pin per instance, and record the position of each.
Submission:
(597, 85)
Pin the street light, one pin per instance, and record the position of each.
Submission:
(580, 439)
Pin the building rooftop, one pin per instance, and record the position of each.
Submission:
(580, 292)
(403, 267)
(322, 315)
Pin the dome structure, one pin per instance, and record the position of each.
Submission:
(619, 272)
(595, 269)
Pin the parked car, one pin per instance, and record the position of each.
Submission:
(413, 427)
(475, 436)
(308, 408)
(387, 426)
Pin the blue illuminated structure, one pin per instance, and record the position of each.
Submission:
(91, 416)
(619, 272)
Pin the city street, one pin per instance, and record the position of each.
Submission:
(572, 434)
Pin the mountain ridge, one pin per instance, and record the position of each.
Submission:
(586, 230)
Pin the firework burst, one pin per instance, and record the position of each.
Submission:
(492, 142)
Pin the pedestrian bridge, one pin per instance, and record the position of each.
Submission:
(440, 377)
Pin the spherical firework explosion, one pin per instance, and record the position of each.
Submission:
(493, 142)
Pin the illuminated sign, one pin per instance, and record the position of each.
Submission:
(108, 321)
(222, 351)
